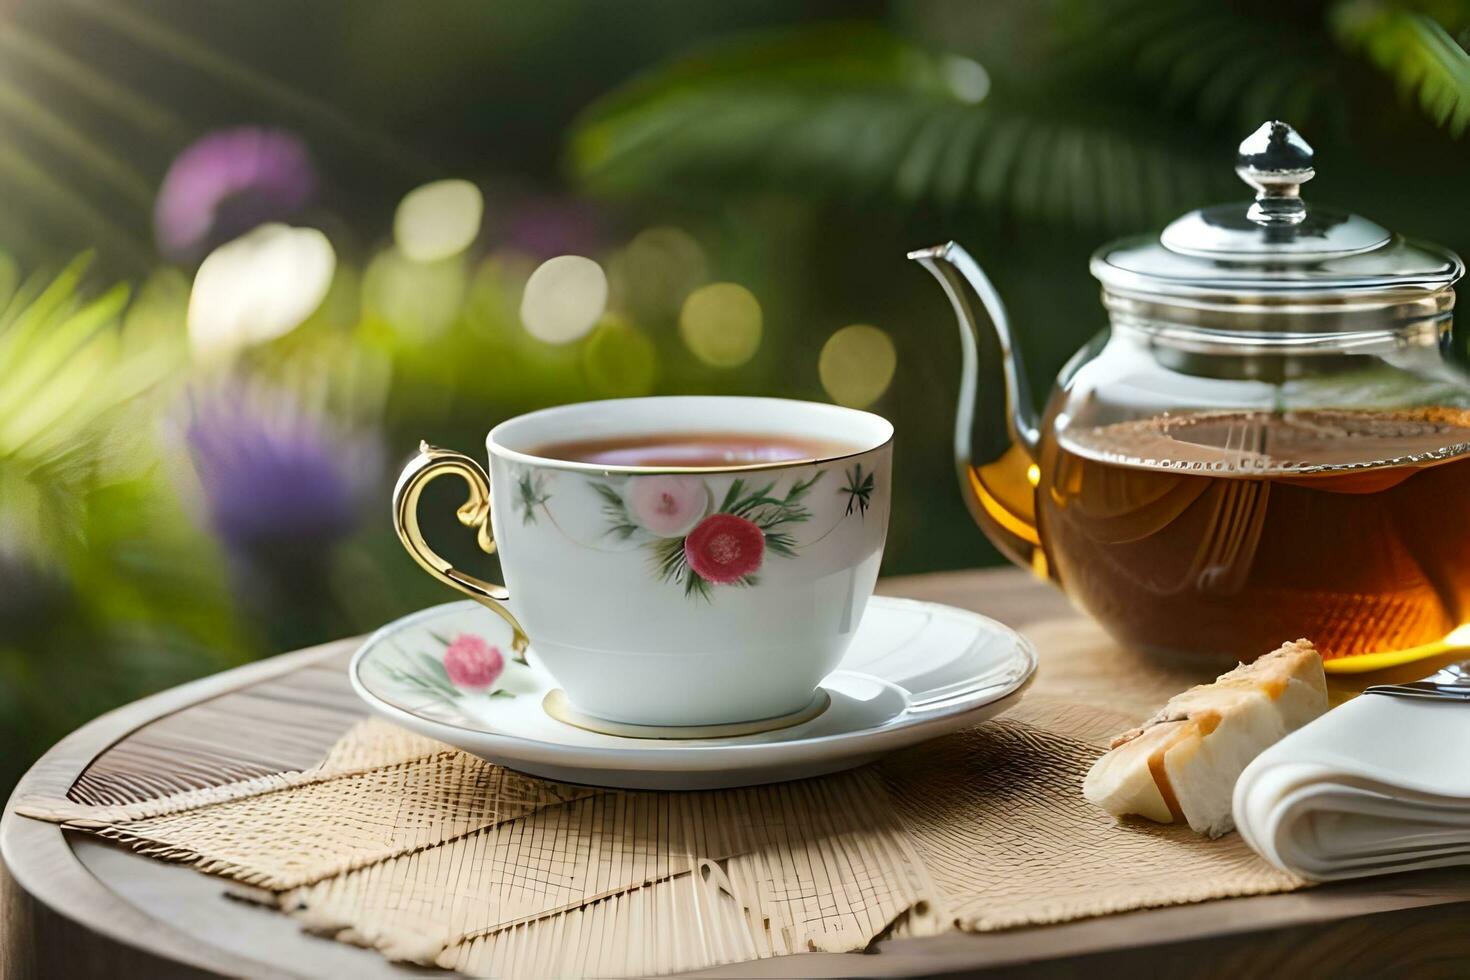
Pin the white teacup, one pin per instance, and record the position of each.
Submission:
(674, 596)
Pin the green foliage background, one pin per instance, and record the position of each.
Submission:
(804, 146)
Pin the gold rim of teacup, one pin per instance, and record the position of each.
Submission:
(531, 459)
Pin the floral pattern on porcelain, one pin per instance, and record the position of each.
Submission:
(696, 545)
(531, 494)
(468, 666)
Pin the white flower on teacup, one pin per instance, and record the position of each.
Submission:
(667, 506)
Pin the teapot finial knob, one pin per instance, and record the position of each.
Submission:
(1276, 161)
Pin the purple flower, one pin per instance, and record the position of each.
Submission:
(276, 478)
(226, 183)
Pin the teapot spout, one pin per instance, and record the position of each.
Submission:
(996, 435)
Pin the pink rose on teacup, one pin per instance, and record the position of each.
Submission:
(667, 506)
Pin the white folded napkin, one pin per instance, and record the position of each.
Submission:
(1378, 785)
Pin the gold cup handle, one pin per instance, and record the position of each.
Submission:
(430, 463)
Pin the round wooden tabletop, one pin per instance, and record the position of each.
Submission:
(77, 906)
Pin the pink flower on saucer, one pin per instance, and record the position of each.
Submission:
(473, 664)
(725, 548)
(667, 506)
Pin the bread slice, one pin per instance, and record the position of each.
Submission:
(1181, 764)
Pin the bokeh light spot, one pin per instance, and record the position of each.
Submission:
(417, 299)
(438, 220)
(721, 324)
(619, 360)
(655, 271)
(968, 79)
(856, 365)
(258, 287)
(563, 299)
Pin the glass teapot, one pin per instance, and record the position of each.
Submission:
(1268, 443)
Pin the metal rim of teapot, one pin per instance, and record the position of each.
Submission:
(1310, 323)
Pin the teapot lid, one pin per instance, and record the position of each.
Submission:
(1276, 245)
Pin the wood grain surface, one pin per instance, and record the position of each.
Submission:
(79, 907)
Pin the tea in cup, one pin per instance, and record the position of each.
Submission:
(674, 561)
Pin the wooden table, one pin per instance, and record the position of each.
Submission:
(76, 906)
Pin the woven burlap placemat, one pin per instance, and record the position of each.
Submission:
(433, 856)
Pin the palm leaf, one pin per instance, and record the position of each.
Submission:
(70, 381)
(67, 367)
(1424, 61)
(158, 37)
(41, 59)
(1207, 61)
(862, 115)
(38, 189)
(32, 115)
(22, 378)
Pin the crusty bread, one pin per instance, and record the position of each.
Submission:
(1181, 764)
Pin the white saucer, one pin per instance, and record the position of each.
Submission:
(915, 670)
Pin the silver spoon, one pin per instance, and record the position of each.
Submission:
(1451, 683)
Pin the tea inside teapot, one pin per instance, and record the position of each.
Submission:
(1220, 530)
